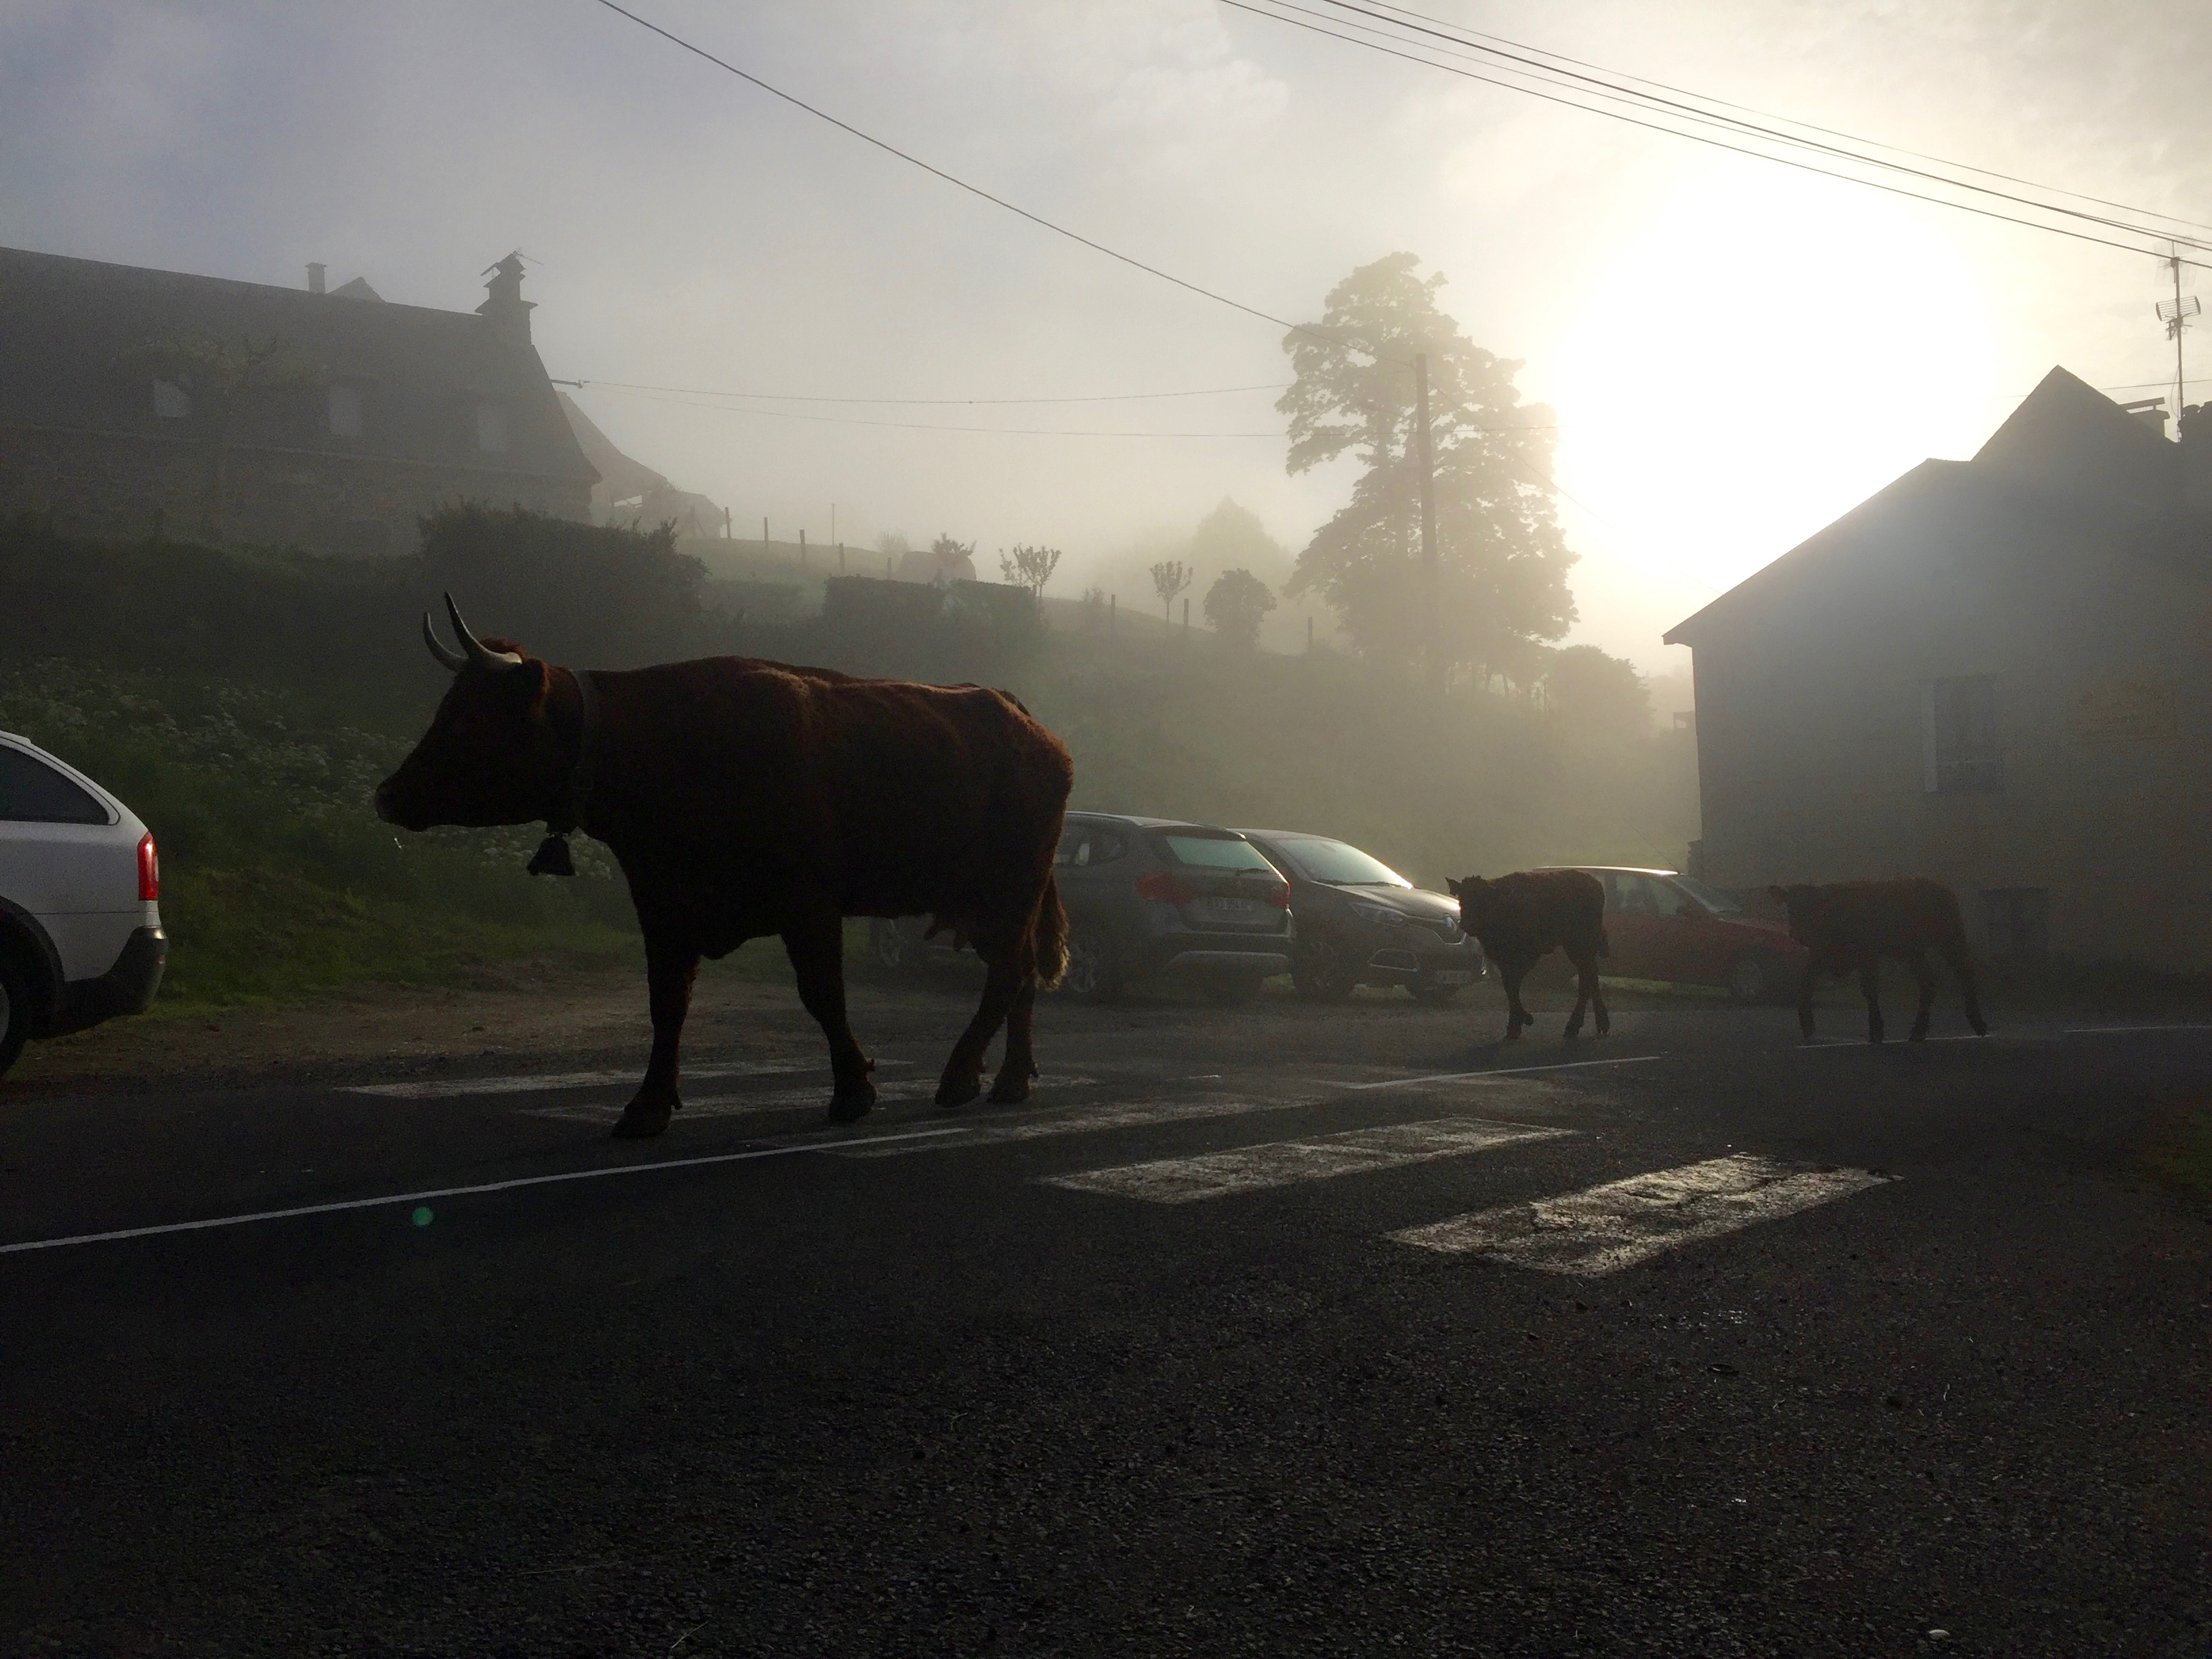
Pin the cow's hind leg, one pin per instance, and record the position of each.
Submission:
(817, 949)
(1589, 994)
(962, 1078)
(1871, 987)
(670, 969)
(1924, 977)
(1018, 1069)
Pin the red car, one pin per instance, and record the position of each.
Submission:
(1662, 926)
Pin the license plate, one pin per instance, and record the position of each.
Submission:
(1453, 976)
(1242, 908)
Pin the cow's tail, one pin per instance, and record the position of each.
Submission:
(1050, 936)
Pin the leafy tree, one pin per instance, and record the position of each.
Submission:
(1234, 606)
(1593, 695)
(218, 377)
(1502, 561)
(1030, 567)
(1169, 578)
(1231, 537)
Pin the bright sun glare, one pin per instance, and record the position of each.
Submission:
(1766, 354)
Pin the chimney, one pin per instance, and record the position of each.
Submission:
(2151, 411)
(314, 278)
(504, 308)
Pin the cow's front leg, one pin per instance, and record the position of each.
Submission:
(1924, 976)
(817, 949)
(670, 968)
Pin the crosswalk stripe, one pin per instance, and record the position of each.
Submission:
(1500, 1071)
(1281, 1163)
(774, 1100)
(532, 1083)
(1602, 1230)
(1085, 1120)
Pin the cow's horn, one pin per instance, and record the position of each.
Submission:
(479, 653)
(451, 660)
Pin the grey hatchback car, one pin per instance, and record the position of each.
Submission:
(1362, 923)
(1149, 897)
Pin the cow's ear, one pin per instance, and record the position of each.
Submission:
(540, 682)
(1453, 886)
(1780, 895)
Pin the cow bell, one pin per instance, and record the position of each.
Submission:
(551, 858)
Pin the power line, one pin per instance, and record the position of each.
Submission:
(1004, 431)
(1696, 138)
(1615, 93)
(1810, 126)
(811, 397)
(995, 201)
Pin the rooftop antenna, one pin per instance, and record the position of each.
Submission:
(2175, 314)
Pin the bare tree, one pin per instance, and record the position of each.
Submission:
(1030, 567)
(1169, 578)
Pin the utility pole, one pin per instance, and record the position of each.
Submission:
(2175, 314)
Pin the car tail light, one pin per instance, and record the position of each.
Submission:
(149, 870)
(1279, 895)
(1167, 888)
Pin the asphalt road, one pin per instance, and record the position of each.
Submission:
(1271, 1332)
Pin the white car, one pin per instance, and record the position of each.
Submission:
(81, 937)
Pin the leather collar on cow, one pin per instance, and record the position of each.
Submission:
(551, 858)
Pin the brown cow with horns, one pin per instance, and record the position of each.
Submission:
(743, 798)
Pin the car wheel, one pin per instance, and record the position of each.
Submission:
(1091, 975)
(14, 1014)
(892, 949)
(1427, 990)
(1751, 979)
(1323, 970)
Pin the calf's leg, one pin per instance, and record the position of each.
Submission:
(1963, 966)
(1516, 1016)
(1924, 977)
(1871, 987)
(817, 949)
(670, 969)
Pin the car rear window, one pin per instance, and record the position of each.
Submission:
(1338, 864)
(1216, 853)
(32, 792)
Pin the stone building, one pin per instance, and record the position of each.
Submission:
(134, 402)
(1996, 672)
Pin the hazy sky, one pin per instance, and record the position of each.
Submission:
(1737, 352)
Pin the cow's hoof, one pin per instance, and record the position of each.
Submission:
(950, 1094)
(1010, 1091)
(850, 1106)
(641, 1122)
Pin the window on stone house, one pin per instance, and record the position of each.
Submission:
(1960, 729)
(171, 402)
(2015, 919)
(491, 428)
(346, 411)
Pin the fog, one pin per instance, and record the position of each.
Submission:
(1736, 351)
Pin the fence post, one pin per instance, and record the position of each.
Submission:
(841, 558)
(1186, 620)
(1113, 602)
(802, 546)
(763, 535)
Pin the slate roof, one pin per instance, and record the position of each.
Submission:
(67, 325)
(2067, 453)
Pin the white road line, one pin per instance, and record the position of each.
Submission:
(2129, 1030)
(1280, 1164)
(776, 1100)
(601, 1173)
(1509, 1071)
(1602, 1230)
(522, 1084)
(1132, 1115)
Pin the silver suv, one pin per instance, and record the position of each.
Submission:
(81, 937)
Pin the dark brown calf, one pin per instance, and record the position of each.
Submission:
(1854, 924)
(1520, 918)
